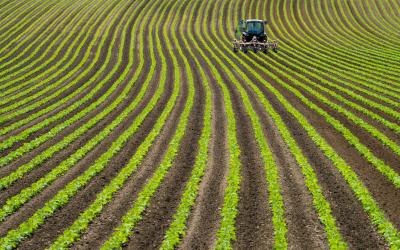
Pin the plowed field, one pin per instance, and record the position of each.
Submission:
(133, 124)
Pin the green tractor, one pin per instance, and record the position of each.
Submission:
(250, 35)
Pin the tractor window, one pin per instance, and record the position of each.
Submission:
(255, 27)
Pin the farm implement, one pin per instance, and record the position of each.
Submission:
(250, 35)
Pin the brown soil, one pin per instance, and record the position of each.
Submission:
(103, 52)
(150, 231)
(61, 107)
(204, 220)
(39, 10)
(290, 123)
(88, 194)
(253, 227)
(83, 139)
(84, 163)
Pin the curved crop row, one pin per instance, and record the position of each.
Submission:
(315, 74)
(62, 197)
(357, 60)
(81, 223)
(41, 139)
(333, 53)
(345, 68)
(65, 77)
(177, 227)
(38, 90)
(11, 140)
(22, 17)
(130, 219)
(378, 163)
(307, 134)
(22, 170)
(272, 177)
(10, 8)
(13, 12)
(7, 70)
(360, 27)
(378, 217)
(28, 26)
(331, 56)
(59, 82)
(15, 125)
(13, 73)
(320, 203)
(226, 232)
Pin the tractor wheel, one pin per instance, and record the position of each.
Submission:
(244, 50)
(235, 49)
(265, 51)
(255, 50)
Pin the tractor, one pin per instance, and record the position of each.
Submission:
(250, 35)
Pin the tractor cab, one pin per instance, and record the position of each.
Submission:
(248, 29)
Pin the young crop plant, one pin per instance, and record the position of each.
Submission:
(130, 219)
(16, 201)
(67, 140)
(77, 15)
(368, 155)
(38, 78)
(11, 12)
(68, 76)
(23, 135)
(154, 124)
(320, 203)
(368, 55)
(339, 65)
(177, 228)
(105, 196)
(374, 132)
(16, 32)
(378, 217)
(330, 58)
(226, 232)
(14, 237)
(272, 177)
(355, 74)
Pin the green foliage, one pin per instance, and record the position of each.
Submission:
(11, 70)
(66, 76)
(177, 227)
(62, 197)
(130, 219)
(16, 32)
(27, 147)
(377, 215)
(335, 73)
(6, 129)
(73, 232)
(320, 203)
